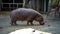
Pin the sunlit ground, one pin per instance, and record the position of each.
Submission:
(28, 31)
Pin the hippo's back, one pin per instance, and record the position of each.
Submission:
(24, 11)
(23, 14)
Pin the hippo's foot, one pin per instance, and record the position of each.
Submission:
(12, 24)
(32, 24)
(29, 24)
(42, 23)
(15, 24)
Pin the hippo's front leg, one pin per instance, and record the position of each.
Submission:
(30, 22)
(41, 23)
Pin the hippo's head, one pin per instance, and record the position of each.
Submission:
(40, 19)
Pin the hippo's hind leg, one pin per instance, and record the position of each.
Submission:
(13, 22)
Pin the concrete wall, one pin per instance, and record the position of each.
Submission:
(36, 5)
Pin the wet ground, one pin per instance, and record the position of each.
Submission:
(51, 25)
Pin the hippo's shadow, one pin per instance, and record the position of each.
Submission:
(28, 25)
(1, 27)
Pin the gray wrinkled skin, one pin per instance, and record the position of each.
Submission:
(27, 14)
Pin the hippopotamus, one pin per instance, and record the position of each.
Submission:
(26, 14)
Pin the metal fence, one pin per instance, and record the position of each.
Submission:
(11, 5)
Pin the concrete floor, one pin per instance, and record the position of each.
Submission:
(51, 25)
